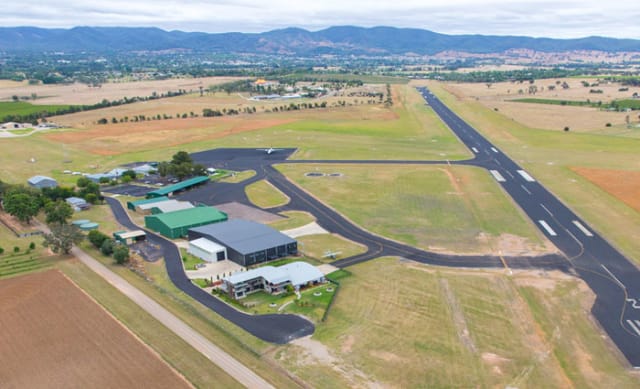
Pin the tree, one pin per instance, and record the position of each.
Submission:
(83, 182)
(107, 247)
(164, 169)
(58, 212)
(62, 237)
(22, 203)
(121, 253)
(181, 157)
(96, 238)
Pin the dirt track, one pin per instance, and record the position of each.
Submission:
(54, 336)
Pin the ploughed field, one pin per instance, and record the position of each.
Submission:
(54, 335)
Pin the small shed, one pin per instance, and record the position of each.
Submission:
(42, 182)
(127, 237)
(207, 250)
(77, 203)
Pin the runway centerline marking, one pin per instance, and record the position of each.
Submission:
(614, 277)
(496, 174)
(546, 209)
(633, 326)
(526, 176)
(582, 228)
(525, 189)
(509, 173)
(547, 227)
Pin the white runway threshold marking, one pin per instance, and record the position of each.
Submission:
(582, 228)
(496, 174)
(526, 176)
(474, 150)
(547, 227)
(494, 150)
(635, 326)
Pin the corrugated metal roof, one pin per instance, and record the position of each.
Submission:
(189, 217)
(147, 201)
(168, 206)
(206, 245)
(37, 179)
(179, 186)
(245, 236)
(298, 273)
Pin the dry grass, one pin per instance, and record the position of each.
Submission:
(624, 185)
(83, 94)
(53, 335)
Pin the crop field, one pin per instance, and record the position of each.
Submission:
(624, 185)
(84, 94)
(54, 335)
(401, 324)
(555, 116)
(438, 208)
(23, 108)
(550, 157)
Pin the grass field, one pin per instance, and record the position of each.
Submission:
(77, 344)
(294, 219)
(401, 324)
(265, 195)
(440, 208)
(551, 156)
(23, 108)
(318, 245)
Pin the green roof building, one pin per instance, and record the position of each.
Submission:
(180, 186)
(176, 224)
(133, 204)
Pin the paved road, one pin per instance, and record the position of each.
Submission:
(271, 328)
(225, 361)
(613, 278)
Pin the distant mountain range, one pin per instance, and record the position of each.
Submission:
(294, 41)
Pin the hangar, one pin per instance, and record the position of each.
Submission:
(207, 250)
(42, 182)
(136, 205)
(247, 242)
(180, 186)
(176, 224)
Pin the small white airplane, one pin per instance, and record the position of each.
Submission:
(270, 150)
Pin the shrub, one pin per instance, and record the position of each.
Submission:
(608, 125)
(107, 247)
(566, 129)
(1, 250)
(32, 246)
(96, 238)
(121, 253)
(16, 249)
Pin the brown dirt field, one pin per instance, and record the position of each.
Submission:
(54, 336)
(624, 185)
(83, 94)
(112, 139)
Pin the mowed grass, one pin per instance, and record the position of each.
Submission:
(294, 219)
(265, 195)
(317, 246)
(549, 157)
(394, 323)
(448, 208)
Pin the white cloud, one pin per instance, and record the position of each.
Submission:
(562, 19)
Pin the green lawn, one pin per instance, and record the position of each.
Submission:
(236, 177)
(318, 245)
(452, 208)
(12, 108)
(189, 261)
(265, 195)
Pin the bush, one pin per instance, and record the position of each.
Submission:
(608, 125)
(16, 249)
(107, 247)
(97, 238)
(32, 246)
(566, 129)
(1, 250)
(121, 253)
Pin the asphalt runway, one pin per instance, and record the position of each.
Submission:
(613, 278)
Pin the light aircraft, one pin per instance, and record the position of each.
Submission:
(270, 150)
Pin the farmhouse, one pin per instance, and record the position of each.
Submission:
(42, 182)
(272, 279)
(247, 242)
(176, 224)
(180, 186)
(207, 250)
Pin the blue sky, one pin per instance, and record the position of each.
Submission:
(544, 18)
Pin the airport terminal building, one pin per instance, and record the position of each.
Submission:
(247, 242)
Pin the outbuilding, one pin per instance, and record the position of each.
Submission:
(247, 242)
(177, 224)
(207, 250)
(178, 187)
(42, 182)
(168, 206)
(77, 203)
(136, 204)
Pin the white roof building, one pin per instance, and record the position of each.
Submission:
(207, 250)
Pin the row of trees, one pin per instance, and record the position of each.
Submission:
(181, 166)
(108, 246)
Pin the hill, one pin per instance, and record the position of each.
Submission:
(294, 41)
